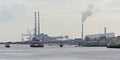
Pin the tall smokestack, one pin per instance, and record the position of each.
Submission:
(105, 32)
(35, 32)
(85, 14)
(38, 24)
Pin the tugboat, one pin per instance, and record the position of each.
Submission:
(7, 45)
(36, 45)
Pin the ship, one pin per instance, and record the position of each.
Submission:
(113, 46)
(7, 45)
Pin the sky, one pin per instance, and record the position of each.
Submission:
(58, 17)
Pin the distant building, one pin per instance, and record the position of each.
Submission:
(100, 36)
(77, 39)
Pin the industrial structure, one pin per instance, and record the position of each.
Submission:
(36, 37)
(98, 36)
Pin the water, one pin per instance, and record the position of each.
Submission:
(24, 52)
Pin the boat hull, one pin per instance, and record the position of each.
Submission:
(36, 45)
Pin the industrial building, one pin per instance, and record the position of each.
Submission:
(99, 36)
(36, 34)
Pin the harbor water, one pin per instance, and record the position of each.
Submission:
(24, 52)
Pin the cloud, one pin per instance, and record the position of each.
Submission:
(107, 6)
(10, 11)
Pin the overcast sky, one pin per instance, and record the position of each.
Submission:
(58, 17)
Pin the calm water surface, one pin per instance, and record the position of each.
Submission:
(24, 52)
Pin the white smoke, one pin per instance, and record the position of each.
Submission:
(88, 12)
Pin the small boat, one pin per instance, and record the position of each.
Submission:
(7, 45)
(36, 45)
(61, 45)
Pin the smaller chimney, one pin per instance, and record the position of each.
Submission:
(105, 32)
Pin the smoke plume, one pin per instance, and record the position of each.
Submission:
(87, 12)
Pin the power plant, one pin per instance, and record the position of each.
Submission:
(36, 39)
